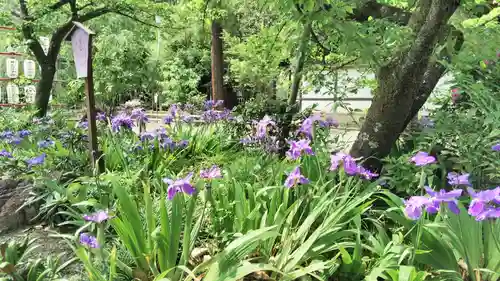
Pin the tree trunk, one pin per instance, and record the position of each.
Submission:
(301, 58)
(44, 88)
(297, 77)
(404, 85)
(217, 62)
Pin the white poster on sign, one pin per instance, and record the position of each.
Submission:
(45, 42)
(12, 93)
(29, 93)
(12, 68)
(80, 44)
(29, 69)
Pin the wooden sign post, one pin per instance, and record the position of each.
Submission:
(81, 41)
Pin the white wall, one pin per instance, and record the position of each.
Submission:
(347, 87)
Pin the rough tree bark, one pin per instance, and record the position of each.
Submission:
(404, 84)
(217, 62)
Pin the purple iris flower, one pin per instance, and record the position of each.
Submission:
(336, 159)
(432, 202)
(45, 143)
(100, 116)
(139, 114)
(483, 202)
(14, 140)
(24, 133)
(4, 153)
(89, 241)
(187, 118)
(496, 147)
(262, 126)
(168, 119)
(350, 165)
(414, 205)
(295, 178)
(365, 173)
(297, 147)
(145, 136)
(174, 108)
(6, 135)
(162, 133)
(121, 121)
(179, 185)
(458, 179)
(182, 144)
(443, 196)
(39, 160)
(209, 104)
(98, 217)
(167, 144)
(211, 173)
(489, 213)
(83, 125)
(307, 127)
(422, 159)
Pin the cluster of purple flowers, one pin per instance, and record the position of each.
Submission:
(212, 116)
(46, 143)
(484, 204)
(140, 116)
(496, 147)
(121, 121)
(87, 239)
(432, 202)
(297, 148)
(350, 166)
(164, 141)
(261, 136)
(184, 185)
(14, 138)
(209, 115)
(5, 154)
(307, 127)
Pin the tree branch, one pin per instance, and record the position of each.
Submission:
(24, 9)
(375, 10)
(86, 5)
(134, 18)
(74, 10)
(32, 42)
(59, 4)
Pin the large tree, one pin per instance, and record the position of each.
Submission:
(31, 15)
(407, 80)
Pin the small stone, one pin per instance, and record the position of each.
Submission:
(198, 252)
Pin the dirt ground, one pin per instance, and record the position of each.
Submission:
(47, 246)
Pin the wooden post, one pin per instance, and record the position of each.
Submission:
(83, 58)
(95, 153)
